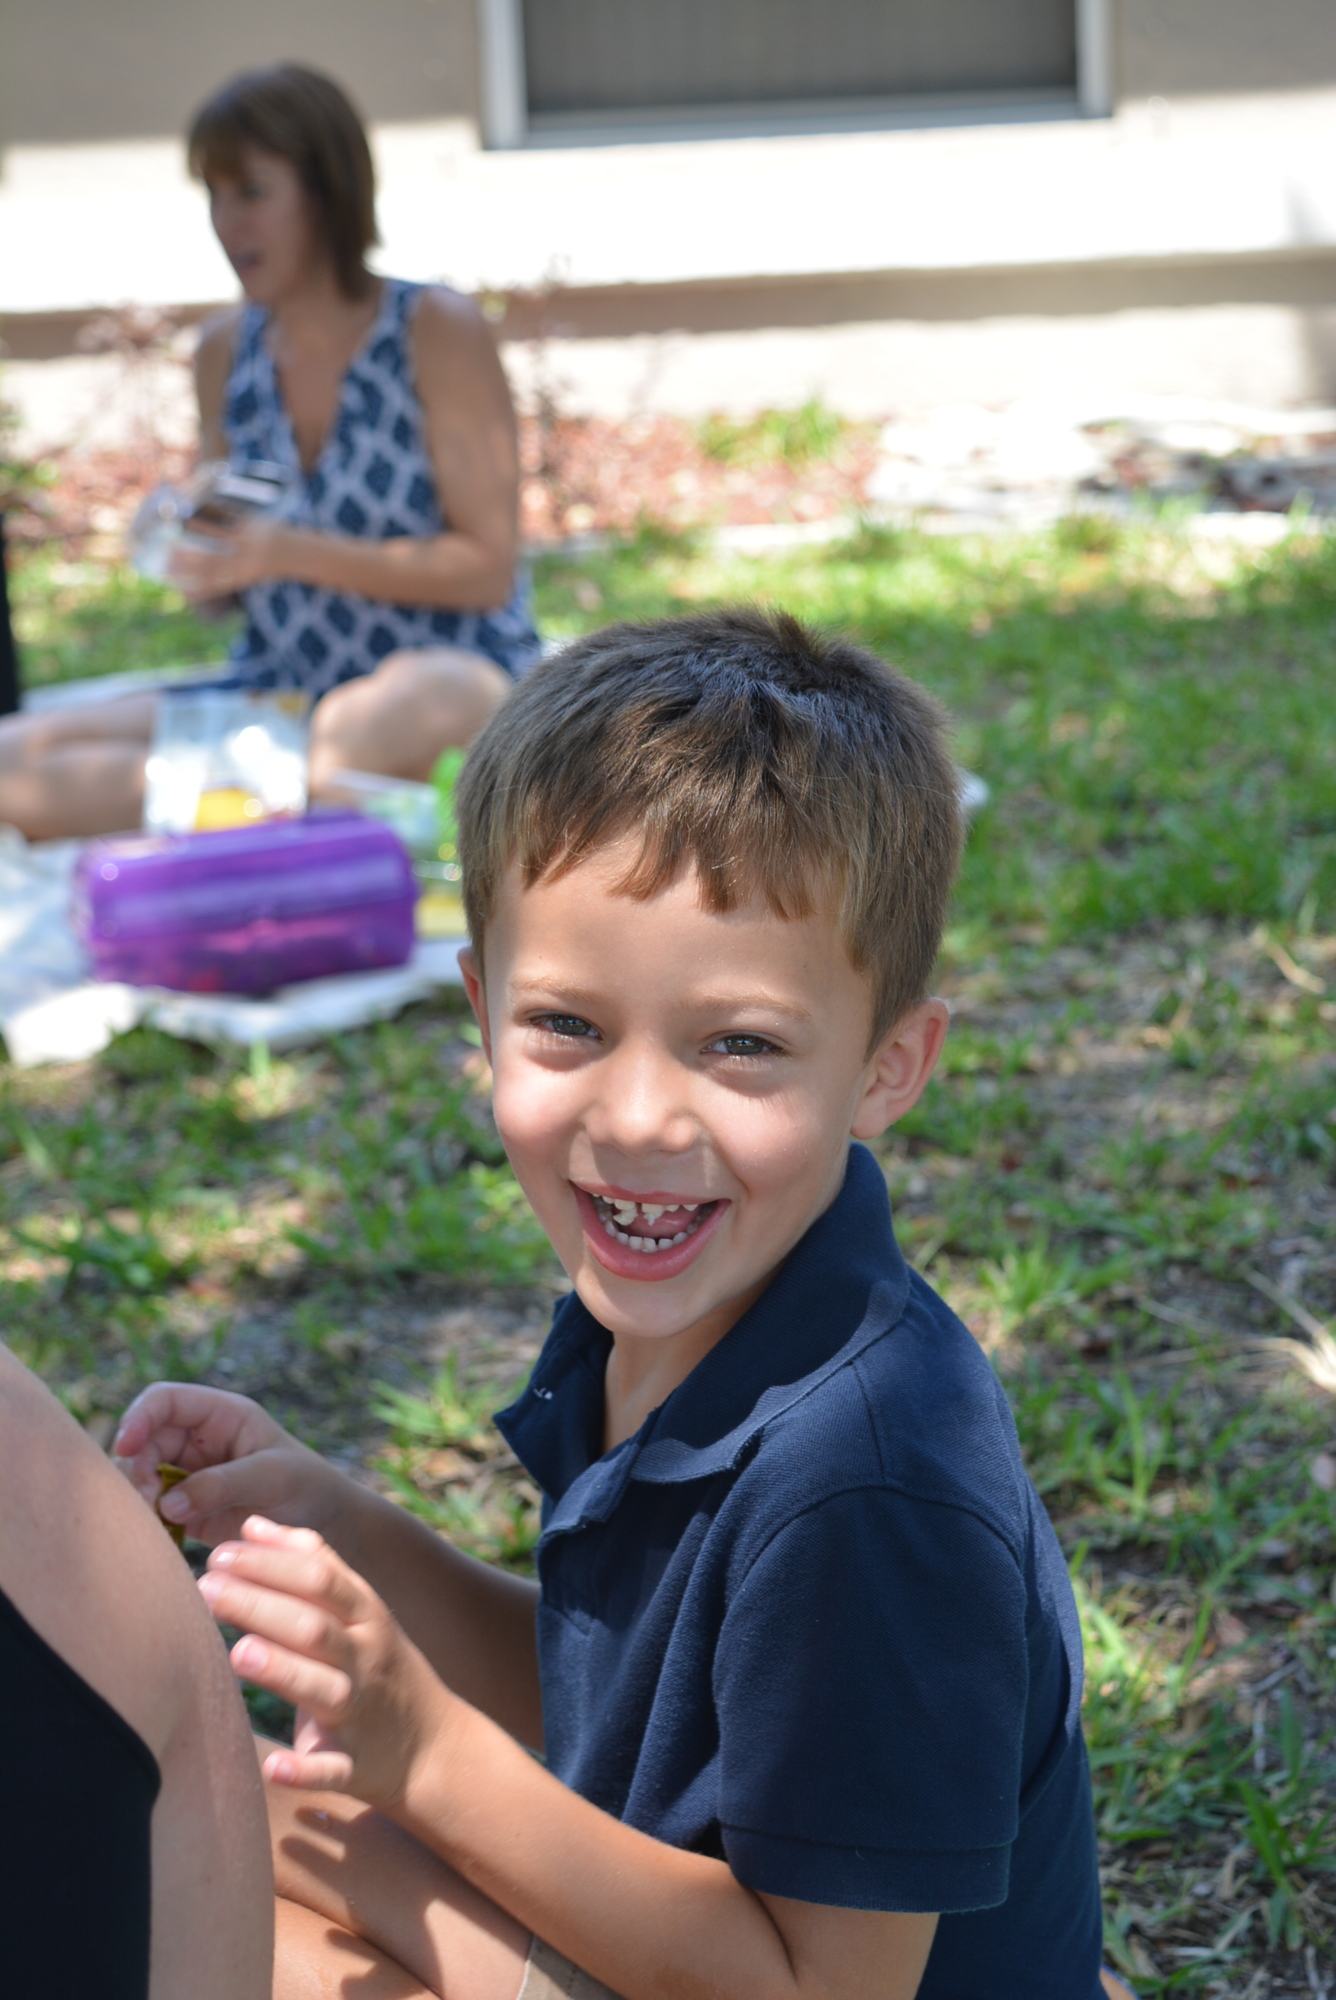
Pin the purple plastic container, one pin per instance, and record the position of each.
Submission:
(248, 909)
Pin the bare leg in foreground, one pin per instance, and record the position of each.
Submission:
(93, 1573)
(357, 1895)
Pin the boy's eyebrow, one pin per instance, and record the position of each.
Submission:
(580, 999)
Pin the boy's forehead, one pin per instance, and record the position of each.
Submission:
(602, 886)
(670, 939)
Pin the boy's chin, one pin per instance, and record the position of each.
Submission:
(626, 1306)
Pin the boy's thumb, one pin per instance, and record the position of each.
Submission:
(249, 1485)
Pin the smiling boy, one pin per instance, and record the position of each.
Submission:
(803, 1659)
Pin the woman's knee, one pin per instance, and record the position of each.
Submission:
(398, 719)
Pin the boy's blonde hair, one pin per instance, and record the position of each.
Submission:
(780, 764)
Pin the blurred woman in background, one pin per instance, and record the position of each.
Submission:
(385, 583)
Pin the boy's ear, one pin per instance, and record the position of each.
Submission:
(472, 971)
(898, 1071)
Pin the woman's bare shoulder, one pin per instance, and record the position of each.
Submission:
(444, 313)
(214, 353)
(217, 337)
(454, 352)
(448, 326)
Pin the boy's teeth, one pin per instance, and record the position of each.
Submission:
(618, 1216)
(628, 1212)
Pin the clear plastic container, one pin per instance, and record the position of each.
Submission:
(225, 756)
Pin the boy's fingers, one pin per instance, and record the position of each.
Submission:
(173, 1407)
(313, 1574)
(291, 1623)
(259, 1482)
(316, 1771)
(181, 1423)
(321, 1690)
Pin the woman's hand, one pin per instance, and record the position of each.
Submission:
(235, 559)
(367, 1702)
(240, 1461)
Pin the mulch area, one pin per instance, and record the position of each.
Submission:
(581, 476)
(589, 475)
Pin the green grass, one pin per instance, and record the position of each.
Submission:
(1134, 1122)
(78, 619)
(795, 437)
(1158, 748)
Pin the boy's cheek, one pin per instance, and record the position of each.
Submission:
(530, 1118)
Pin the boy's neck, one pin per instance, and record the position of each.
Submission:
(643, 1371)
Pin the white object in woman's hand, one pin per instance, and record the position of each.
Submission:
(235, 559)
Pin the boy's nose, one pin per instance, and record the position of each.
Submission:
(644, 1105)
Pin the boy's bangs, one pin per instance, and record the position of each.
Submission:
(739, 868)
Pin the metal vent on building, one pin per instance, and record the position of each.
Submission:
(601, 57)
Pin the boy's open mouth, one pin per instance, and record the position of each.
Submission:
(647, 1239)
(650, 1226)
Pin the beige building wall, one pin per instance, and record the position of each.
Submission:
(75, 71)
(1193, 48)
(1187, 245)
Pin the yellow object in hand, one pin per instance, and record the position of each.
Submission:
(171, 1475)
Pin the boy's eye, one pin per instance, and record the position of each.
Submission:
(743, 1045)
(572, 1026)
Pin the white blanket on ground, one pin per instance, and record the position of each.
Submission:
(52, 1011)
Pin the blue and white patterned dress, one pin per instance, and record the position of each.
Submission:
(373, 479)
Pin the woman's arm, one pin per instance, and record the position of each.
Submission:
(91, 1570)
(213, 364)
(469, 422)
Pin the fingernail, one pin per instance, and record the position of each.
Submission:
(222, 1558)
(250, 1655)
(174, 1506)
(211, 1587)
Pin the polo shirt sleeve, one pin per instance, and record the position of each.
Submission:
(870, 1686)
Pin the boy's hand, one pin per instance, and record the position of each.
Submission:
(319, 1636)
(240, 1461)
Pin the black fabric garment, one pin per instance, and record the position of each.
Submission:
(9, 658)
(77, 1787)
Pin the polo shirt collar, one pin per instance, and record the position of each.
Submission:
(843, 1286)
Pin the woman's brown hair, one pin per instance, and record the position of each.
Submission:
(306, 119)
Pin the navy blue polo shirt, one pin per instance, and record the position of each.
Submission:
(813, 1619)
